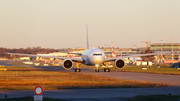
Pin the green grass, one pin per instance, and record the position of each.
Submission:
(18, 67)
(27, 68)
(29, 99)
(155, 98)
(22, 64)
(136, 98)
(153, 69)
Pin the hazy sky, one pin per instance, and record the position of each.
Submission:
(62, 23)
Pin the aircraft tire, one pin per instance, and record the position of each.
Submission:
(77, 70)
(96, 70)
(106, 70)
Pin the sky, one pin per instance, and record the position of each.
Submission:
(62, 23)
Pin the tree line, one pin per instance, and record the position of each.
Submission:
(28, 50)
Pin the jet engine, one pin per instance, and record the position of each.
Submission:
(67, 64)
(119, 63)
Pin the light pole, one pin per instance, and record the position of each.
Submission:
(161, 50)
(112, 46)
(172, 52)
(179, 53)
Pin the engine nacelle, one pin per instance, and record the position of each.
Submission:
(119, 63)
(67, 64)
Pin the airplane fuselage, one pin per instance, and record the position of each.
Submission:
(93, 56)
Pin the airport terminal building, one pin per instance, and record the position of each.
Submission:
(164, 47)
(155, 47)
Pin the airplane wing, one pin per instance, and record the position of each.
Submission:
(76, 53)
(74, 59)
(136, 55)
(73, 53)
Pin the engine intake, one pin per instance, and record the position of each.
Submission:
(67, 64)
(119, 63)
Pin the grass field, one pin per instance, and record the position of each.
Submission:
(136, 98)
(27, 80)
(164, 69)
(21, 68)
(29, 99)
(156, 98)
(153, 69)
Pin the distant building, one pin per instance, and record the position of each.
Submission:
(156, 47)
(24, 58)
(165, 46)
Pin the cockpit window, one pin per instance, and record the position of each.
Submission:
(97, 54)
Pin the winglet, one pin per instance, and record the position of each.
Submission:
(87, 37)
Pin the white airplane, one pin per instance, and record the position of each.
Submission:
(91, 57)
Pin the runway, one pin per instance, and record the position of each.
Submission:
(95, 93)
(117, 94)
(171, 80)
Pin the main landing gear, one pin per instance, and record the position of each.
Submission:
(77, 69)
(106, 69)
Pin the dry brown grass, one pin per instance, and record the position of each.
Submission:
(21, 68)
(28, 80)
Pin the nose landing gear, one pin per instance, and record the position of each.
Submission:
(97, 69)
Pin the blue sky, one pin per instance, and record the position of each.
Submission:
(62, 23)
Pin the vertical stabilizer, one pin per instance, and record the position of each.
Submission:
(87, 37)
(114, 54)
(69, 55)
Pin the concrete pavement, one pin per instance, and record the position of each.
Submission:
(116, 94)
(95, 93)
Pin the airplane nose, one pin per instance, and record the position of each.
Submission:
(97, 60)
